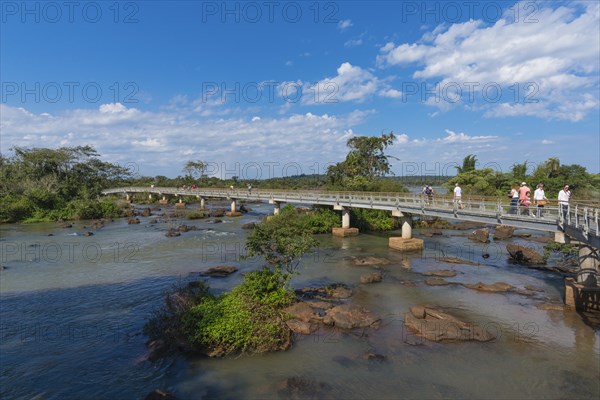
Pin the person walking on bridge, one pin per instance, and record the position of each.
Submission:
(539, 199)
(457, 196)
(563, 201)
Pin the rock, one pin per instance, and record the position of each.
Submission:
(172, 233)
(349, 316)
(369, 260)
(217, 212)
(302, 312)
(301, 327)
(503, 232)
(371, 278)
(494, 287)
(97, 224)
(51, 234)
(438, 326)
(418, 312)
(542, 239)
(480, 235)
(157, 349)
(146, 212)
(436, 282)
(65, 225)
(456, 260)
(250, 225)
(524, 255)
(339, 292)
(443, 273)
(88, 233)
(219, 271)
(551, 306)
(186, 228)
(324, 305)
(244, 209)
(159, 394)
(133, 221)
(216, 221)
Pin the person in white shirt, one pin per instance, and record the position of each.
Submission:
(457, 196)
(539, 199)
(563, 200)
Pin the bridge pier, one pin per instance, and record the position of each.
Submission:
(583, 292)
(406, 242)
(180, 203)
(163, 200)
(233, 212)
(345, 230)
(202, 203)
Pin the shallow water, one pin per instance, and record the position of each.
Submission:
(73, 308)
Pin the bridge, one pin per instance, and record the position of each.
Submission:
(580, 222)
(576, 223)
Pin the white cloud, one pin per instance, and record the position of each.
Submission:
(545, 141)
(160, 142)
(558, 56)
(352, 83)
(353, 43)
(344, 24)
(453, 137)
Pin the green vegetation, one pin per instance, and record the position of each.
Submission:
(249, 318)
(47, 185)
(488, 182)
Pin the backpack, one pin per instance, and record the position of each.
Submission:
(428, 190)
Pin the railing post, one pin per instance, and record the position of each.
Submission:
(576, 217)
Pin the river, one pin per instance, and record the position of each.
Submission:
(73, 308)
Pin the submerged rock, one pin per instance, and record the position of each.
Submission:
(371, 278)
(301, 327)
(438, 326)
(456, 260)
(159, 394)
(524, 255)
(219, 271)
(436, 282)
(302, 311)
(447, 273)
(298, 387)
(349, 316)
(369, 260)
(133, 221)
(494, 287)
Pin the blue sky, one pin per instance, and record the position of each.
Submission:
(260, 89)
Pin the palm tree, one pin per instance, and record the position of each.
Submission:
(552, 165)
(468, 164)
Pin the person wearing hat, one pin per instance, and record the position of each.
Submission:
(539, 199)
(523, 191)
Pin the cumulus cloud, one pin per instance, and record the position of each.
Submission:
(557, 58)
(162, 141)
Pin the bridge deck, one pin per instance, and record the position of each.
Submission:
(580, 221)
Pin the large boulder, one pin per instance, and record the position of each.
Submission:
(503, 232)
(438, 326)
(406, 245)
(480, 235)
(301, 327)
(349, 316)
(524, 255)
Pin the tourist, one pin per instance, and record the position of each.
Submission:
(539, 199)
(563, 200)
(525, 202)
(457, 196)
(249, 189)
(513, 194)
(429, 194)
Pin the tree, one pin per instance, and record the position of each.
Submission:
(194, 169)
(366, 159)
(553, 166)
(468, 164)
(282, 241)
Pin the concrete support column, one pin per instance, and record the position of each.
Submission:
(127, 197)
(276, 209)
(233, 206)
(202, 203)
(150, 196)
(589, 257)
(345, 219)
(406, 228)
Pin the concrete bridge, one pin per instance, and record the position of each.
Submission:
(578, 223)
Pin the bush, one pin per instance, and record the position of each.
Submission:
(372, 220)
(322, 220)
(247, 319)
